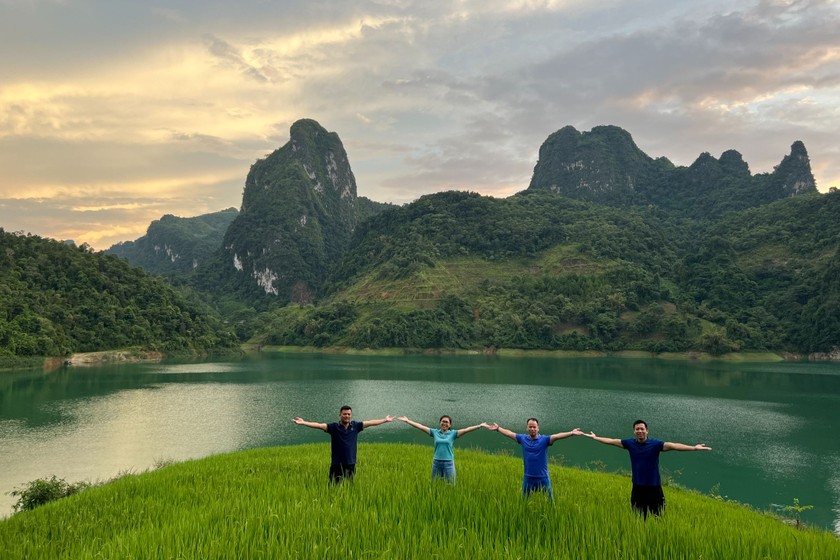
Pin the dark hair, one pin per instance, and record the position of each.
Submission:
(637, 422)
(343, 408)
(534, 419)
(446, 416)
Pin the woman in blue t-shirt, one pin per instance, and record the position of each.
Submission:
(443, 463)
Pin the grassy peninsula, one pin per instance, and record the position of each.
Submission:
(275, 503)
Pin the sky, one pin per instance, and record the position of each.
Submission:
(116, 112)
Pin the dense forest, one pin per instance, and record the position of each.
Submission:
(458, 270)
(56, 299)
(541, 271)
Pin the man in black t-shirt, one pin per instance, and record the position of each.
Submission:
(647, 496)
(343, 436)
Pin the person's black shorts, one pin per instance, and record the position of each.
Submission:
(647, 499)
(340, 472)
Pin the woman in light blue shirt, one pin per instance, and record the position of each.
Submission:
(443, 463)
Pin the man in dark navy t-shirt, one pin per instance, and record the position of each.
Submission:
(647, 496)
(343, 438)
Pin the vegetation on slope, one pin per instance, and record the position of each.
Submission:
(276, 503)
(775, 270)
(57, 299)
(540, 271)
(174, 245)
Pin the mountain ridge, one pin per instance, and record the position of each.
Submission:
(605, 166)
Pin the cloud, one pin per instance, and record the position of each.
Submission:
(102, 219)
(227, 53)
(117, 111)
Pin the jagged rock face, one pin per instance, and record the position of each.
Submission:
(793, 175)
(602, 165)
(299, 209)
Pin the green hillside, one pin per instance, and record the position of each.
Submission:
(174, 245)
(276, 503)
(57, 299)
(541, 271)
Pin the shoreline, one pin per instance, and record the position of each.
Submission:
(739, 357)
(111, 356)
(136, 355)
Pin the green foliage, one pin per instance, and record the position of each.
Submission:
(57, 299)
(251, 504)
(771, 275)
(294, 326)
(454, 224)
(174, 245)
(566, 272)
(539, 271)
(795, 510)
(44, 490)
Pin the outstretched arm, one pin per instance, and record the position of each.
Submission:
(369, 423)
(301, 422)
(564, 435)
(670, 446)
(417, 425)
(469, 429)
(505, 432)
(608, 441)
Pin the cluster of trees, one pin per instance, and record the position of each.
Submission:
(56, 299)
(572, 312)
(453, 224)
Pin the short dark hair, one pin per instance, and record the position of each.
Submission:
(637, 422)
(534, 419)
(446, 416)
(343, 408)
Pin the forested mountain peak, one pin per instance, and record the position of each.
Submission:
(733, 161)
(299, 209)
(605, 166)
(321, 156)
(175, 245)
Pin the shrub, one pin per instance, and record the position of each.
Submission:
(43, 490)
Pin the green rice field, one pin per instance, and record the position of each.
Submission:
(276, 503)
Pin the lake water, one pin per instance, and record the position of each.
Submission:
(773, 427)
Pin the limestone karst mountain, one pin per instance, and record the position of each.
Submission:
(605, 166)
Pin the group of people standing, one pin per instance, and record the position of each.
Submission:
(646, 497)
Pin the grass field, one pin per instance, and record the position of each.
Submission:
(276, 503)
